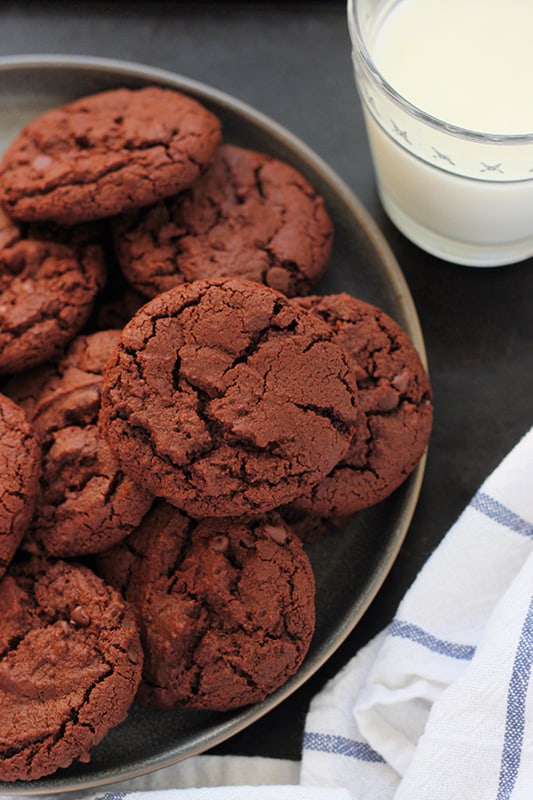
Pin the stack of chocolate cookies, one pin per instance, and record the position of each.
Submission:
(180, 416)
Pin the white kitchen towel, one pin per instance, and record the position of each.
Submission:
(439, 706)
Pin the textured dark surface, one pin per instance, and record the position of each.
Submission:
(292, 62)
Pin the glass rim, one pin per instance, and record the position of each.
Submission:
(359, 47)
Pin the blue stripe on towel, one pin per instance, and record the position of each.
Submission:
(407, 630)
(113, 796)
(340, 745)
(516, 709)
(499, 513)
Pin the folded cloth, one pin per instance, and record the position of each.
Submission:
(437, 706)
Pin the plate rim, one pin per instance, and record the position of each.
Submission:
(56, 783)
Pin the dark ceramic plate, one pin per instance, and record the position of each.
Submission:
(349, 566)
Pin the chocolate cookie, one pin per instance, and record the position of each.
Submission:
(225, 607)
(396, 415)
(70, 664)
(20, 460)
(106, 153)
(250, 216)
(86, 503)
(47, 290)
(223, 398)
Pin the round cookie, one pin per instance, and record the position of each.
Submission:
(86, 503)
(396, 415)
(106, 153)
(223, 398)
(20, 460)
(70, 665)
(47, 290)
(250, 216)
(225, 607)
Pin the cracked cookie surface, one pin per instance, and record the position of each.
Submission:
(86, 503)
(225, 607)
(223, 398)
(20, 460)
(105, 153)
(70, 665)
(395, 415)
(250, 216)
(47, 291)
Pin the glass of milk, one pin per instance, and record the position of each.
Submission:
(447, 92)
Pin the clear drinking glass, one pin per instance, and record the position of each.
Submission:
(462, 195)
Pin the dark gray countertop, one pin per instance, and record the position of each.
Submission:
(292, 62)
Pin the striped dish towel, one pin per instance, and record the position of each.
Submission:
(439, 706)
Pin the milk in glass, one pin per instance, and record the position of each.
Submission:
(469, 64)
